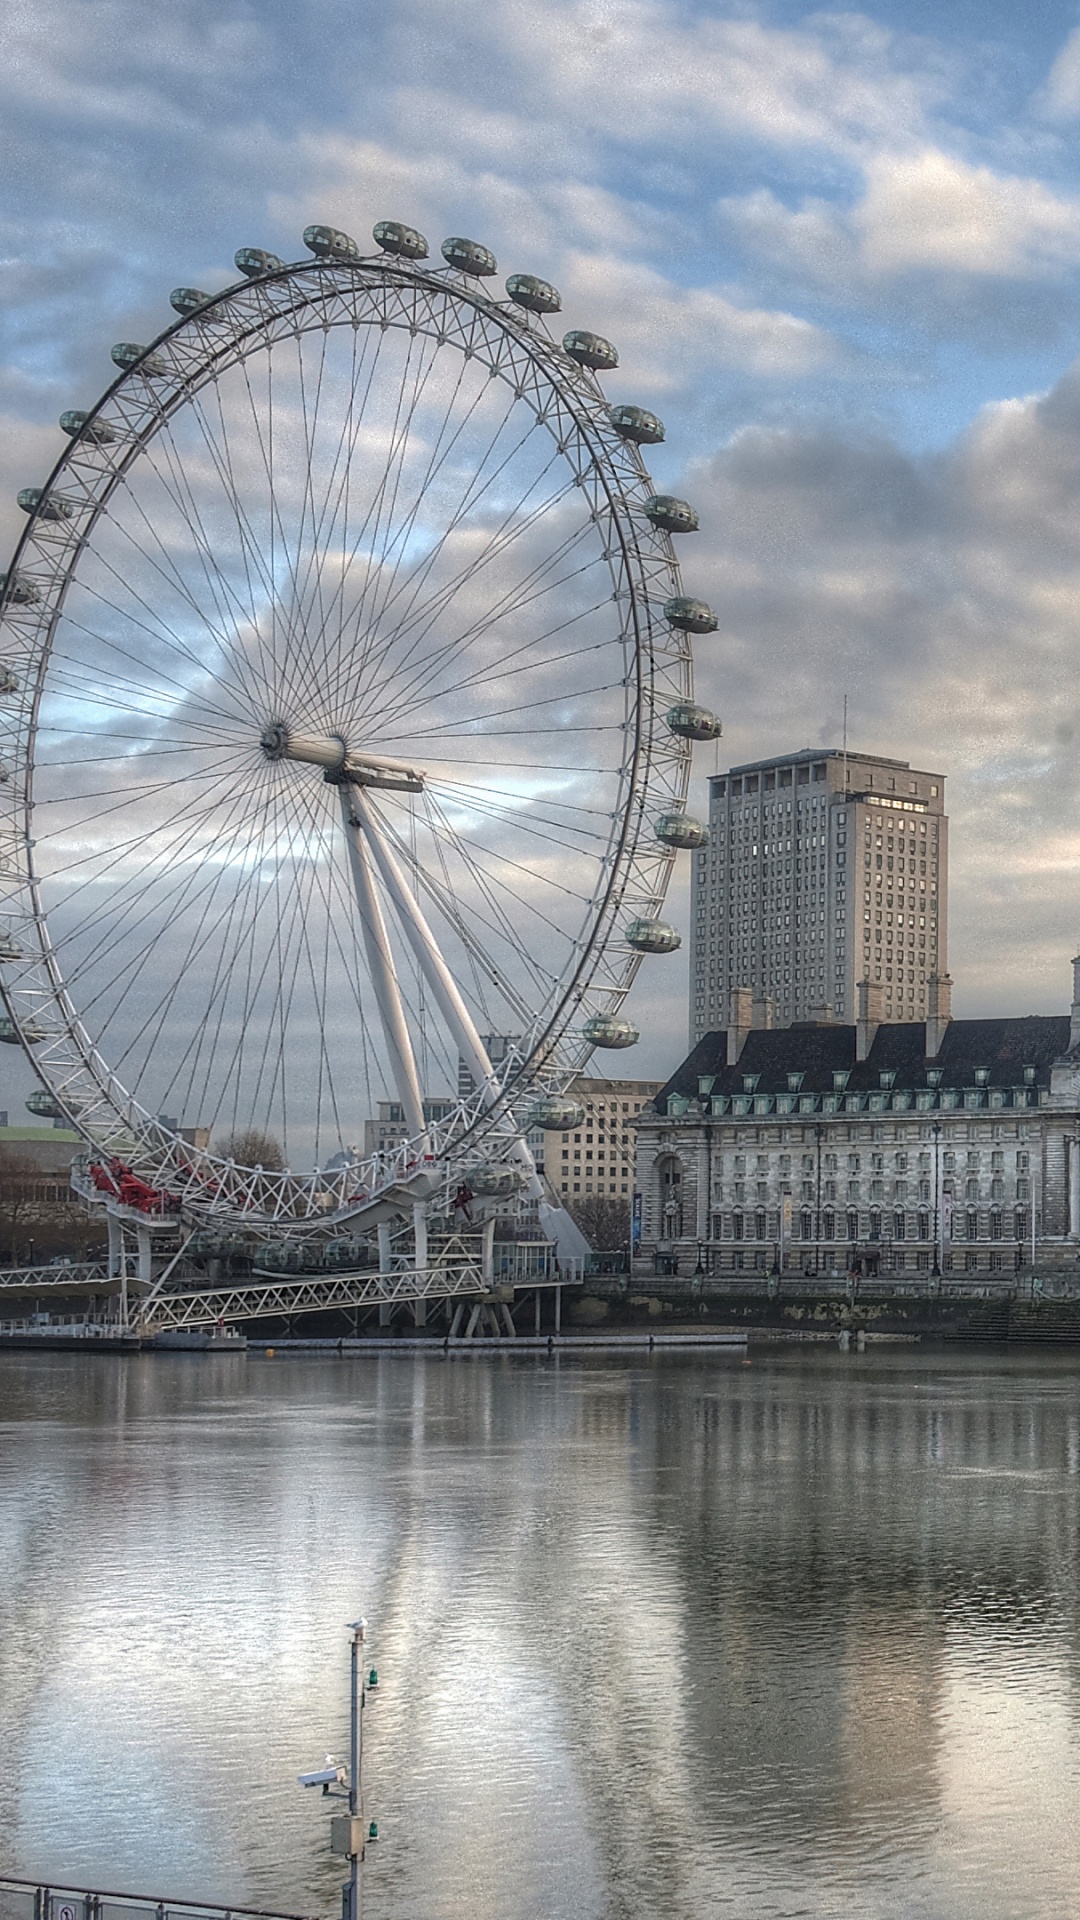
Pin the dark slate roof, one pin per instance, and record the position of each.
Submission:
(1005, 1046)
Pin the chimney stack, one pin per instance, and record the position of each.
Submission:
(763, 1013)
(1074, 1011)
(740, 1019)
(869, 1020)
(937, 1024)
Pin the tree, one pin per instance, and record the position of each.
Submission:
(604, 1221)
(251, 1148)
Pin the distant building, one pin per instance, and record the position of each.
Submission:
(496, 1046)
(43, 1156)
(823, 869)
(390, 1128)
(940, 1147)
(598, 1157)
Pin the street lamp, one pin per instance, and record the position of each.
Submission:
(347, 1835)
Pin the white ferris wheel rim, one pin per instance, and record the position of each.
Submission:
(299, 302)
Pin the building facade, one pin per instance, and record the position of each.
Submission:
(598, 1157)
(950, 1147)
(822, 869)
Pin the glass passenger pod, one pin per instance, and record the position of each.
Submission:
(681, 830)
(47, 506)
(126, 354)
(692, 722)
(536, 296)
(605, 1030)
(253, 262)
(392, 237)
(670, 514)
(495, 1182)
(557, 1116)
(17, 591)
(653, 936)
(328, 243)
(590, 350)
(47, 1107)
(11, 1037)
(691, 616)
(185, 300)
(81, 426)
(645, 429)
(9, 682)
(469, 256)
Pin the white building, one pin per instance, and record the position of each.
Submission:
(948, 1147)
(822, 869)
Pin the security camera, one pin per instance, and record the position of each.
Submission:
(331, 1775)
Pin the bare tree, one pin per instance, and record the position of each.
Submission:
(251, 1148)
(604, 1221)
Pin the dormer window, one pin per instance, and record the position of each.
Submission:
(750, 1082)
(1029, 1076)
(982, 1076)
(934, 1077)
(840, 1079)
(794, 1081)
(886, 1077)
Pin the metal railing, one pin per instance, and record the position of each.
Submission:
(34, 1900)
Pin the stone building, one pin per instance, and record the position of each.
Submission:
(932, 1147)
(822, 869)
(598, 1157)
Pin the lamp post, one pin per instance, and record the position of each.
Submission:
(351, 1891)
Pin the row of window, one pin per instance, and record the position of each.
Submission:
(845, 1226)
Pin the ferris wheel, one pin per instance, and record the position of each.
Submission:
(345, 727)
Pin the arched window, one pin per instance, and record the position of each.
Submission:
(899, 1225)
(670, 1171)
(972, 1225)
(759, 1226)
(924, 1226)
(852, 1226)
(828, 1226)
(875, 1226)
(806, 1226)
(737, 1226)
(1020, 1224)
(995, 1224)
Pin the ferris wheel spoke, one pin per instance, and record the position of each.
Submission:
(414, 624)
(229, 610)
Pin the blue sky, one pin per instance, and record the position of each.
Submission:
(839, 253)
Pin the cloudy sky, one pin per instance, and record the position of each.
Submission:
(839, 253)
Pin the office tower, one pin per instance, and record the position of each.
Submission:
(822, 869)
(598, 1156)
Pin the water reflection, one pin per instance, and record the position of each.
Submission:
(798, 1637)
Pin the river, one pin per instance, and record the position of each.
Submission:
(793, 1634)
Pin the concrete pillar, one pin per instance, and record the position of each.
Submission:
(116, 1246)
(383, 1233)
(145, 1244)
(487, 1253)
(420, 1236)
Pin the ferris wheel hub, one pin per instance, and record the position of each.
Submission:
(338, 760)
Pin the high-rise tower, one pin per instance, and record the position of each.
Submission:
(823, 869)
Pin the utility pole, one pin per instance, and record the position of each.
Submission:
(351, 1891)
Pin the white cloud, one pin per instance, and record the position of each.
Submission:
(1060, 98)
(921, 212)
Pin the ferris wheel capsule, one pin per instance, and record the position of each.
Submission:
(17, 591)
(47, 506)
(188, 300)
(129, 356)
(327, 243)
(469, 256)
(83, 426)
(590, 350)
(48, 1107)
(653, 936)
(253, 262)
(692, 722)
(604, 1030)
(392, 237)
(9, 682)
(671, 514)
(557, 1116)
(11, 1036)
(693, 616)
(536, 296)
(637, 424)
(680, 830)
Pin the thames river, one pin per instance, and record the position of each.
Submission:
(793, 1635)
